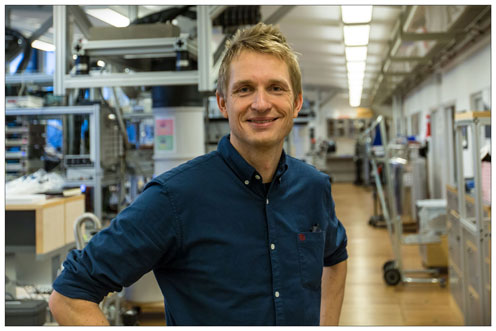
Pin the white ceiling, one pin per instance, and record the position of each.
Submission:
(316, 32)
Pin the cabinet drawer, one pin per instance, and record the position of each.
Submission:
(456, 285)
(474, 312)
(454, 246)
(472, 260)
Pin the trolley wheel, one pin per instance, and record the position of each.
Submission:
(442, 282)
(387, 265)
(392, 276)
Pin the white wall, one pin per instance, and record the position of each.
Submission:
(453, 85)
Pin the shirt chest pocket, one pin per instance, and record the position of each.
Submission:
(311, 258)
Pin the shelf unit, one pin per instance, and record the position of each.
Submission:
(95, 136)
(23, 149)
(469, 230)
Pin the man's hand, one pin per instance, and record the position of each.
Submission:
(69, 311)
(333, 281)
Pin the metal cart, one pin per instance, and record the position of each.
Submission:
(394, 273)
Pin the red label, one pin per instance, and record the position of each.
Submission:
(301, 236)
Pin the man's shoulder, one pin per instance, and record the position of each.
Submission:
(189, 170)
(306, 170)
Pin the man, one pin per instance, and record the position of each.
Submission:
(235, 237)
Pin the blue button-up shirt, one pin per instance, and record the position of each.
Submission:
(224, 249)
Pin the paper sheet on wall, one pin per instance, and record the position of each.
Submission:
(165, 134)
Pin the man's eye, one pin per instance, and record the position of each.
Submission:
(277, 88)
(243, 90)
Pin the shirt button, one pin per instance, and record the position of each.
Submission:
(277, 294)
(247, 182)
(272, 246)
(267, 201)
(257, 176)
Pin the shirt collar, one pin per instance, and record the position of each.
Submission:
(239, 165)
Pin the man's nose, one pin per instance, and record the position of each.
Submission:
(261, 101)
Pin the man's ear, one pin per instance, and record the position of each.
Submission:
(221, 102)
(298, 105)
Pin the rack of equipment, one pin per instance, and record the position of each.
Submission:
(469, 227)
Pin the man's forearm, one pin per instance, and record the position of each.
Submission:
(67, 311)
(333, 282)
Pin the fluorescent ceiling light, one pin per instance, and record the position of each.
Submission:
(355, 102)
(355, 92)
(357, 53)
(356, 35)
(355, 98)
(356, 67)
(355, 84)
(41, 45)
(356, 14)
(110, 16)
(356, 75)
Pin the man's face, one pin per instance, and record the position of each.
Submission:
(259, 101)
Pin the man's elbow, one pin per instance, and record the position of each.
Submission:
(56, 304)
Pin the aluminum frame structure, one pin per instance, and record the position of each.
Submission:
(204, 76)
(475, 227)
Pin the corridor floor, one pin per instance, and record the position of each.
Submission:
(368, 300)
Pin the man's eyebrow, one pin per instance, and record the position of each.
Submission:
(279, 82)
(241, 82)
(249, 82)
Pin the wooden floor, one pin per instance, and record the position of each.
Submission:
(368, 300)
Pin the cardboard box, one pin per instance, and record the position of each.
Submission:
(435, 255)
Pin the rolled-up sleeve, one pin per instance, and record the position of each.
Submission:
(336, 239)
(143, 235)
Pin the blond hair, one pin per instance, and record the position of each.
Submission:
(261, 38)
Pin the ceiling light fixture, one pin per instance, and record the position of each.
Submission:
(356, 35)
(356, 14)
(43, 46)
(109, 16)
(356, 31)
(356, 67)
(356, 53)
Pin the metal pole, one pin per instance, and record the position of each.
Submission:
(205, 58)
(461, 207)
(475, 128)
(132, 13)
(59, 39)
(95, 151)
(459, 170)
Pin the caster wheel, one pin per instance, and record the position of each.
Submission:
(392, 276)
(442, 283)
(388, 265)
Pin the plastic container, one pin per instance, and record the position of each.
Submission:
(25, 312)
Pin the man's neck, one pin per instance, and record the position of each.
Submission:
(264, 160)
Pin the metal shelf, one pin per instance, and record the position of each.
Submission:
(149, 46)
(29, 78)
(155, 78)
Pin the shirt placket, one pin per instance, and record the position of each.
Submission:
(277, 294)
